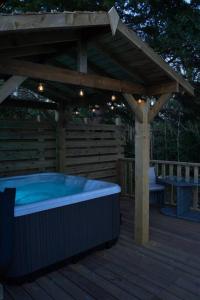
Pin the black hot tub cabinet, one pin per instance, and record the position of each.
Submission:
(44, 233)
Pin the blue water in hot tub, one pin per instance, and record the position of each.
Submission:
(44, 191)
(54, 190)
(37, 191)
(41, 187)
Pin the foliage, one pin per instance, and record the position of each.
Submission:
(176, 142)
(55, 5)
(171, 27)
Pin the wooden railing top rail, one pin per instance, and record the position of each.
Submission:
(166, 162)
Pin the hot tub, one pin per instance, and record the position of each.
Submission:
(52, 218)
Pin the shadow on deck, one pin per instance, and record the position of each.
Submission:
(167, 268)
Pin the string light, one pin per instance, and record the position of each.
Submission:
(81, 92)
(93, 110)
(41, 87)
(152, 102)
(113, 97)
(15, 93)
(76, 111)
(112, 107)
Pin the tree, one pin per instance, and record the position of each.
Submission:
(171, 28)
(11, 6)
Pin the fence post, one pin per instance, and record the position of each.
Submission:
(60, 139)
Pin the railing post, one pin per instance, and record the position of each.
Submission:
(171, 170)
(187, 173)
(163, 170)
(179, 171)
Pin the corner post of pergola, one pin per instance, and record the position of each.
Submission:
(143, 117)
(142, 153)
(142, 144)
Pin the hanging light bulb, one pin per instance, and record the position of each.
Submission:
(81, 92)
(113, 97)
(76, 111)
(152, 102)
(140, 101)
(41, 87)
(15, 93)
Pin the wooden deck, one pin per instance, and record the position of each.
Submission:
(167, 268)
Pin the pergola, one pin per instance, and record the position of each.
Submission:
(98, 52)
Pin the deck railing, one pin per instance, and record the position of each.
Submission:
(190, 171)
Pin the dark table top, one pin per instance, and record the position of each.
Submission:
(178, 181)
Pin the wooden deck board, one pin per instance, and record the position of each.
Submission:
(168, 268)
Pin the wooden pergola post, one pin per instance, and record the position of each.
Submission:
(143, 116)
(142, 153)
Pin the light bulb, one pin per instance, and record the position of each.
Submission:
(81, 93)
(152, 103)
(140, 101)
(113, 97)
(112, 107)
(93, 110)
(41, 87)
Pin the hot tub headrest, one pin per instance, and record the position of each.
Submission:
(7, 204)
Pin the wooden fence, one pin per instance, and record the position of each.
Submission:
(89, 150)
(163, 168)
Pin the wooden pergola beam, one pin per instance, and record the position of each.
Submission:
(10, 86)
(48, 20)
(163, 88)
(134, 107)
(27, 51)
(51, 73)
(159, 104)
(25, 39)
(82, 56)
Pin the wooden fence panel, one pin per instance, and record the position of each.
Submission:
(93, 150)
(26, 147)
(89, 150)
